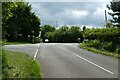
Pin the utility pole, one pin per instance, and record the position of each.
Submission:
(105, 18)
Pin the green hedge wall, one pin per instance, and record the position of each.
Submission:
(103, 35)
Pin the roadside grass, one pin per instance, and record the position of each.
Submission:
(19, 65)
(103, 52)
(0, 64)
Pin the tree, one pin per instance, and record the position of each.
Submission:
(45, 29)
(20, 22)
(75, 33)
(49, 36)
(115, 7)
(6, 13)
(64, 34)
(84, 27)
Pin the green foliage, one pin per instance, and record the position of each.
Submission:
(1, 64)
(107, 39)
(103, 34)
(4, 64)
(118, 49)
(19, 21)
(115, 7)
(45, 30)
(106, 53)
(109, 47)
(105, 46)
(19, 65)
(49, 36)
(37, 40)
(64, 34)
(95, 43)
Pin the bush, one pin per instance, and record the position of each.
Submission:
(118, 49)
(103, 46)
(97, 44)
(109, 46)
(94, 43)
(104, 38)
(103, 34)
(38, 40)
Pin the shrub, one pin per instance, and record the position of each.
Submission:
(103, 34)
(104, 38)
(109, 46)
(97, 44)
(94, 43)
(37, 40)
(103, 46)
(118, 49)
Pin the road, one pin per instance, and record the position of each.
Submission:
(67, 60)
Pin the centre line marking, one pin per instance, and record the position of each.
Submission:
(94, 64)
(36, 52)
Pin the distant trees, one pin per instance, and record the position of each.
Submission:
(45, 30)
(63, 34)
(19, 22)
(115, 7)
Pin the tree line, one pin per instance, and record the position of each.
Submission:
(20, 24)
(63, 34)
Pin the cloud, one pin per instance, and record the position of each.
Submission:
(71, 13)
(79, 13)
(68, 0)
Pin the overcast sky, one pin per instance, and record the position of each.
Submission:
(90, 14)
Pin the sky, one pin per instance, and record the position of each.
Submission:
(78, 13)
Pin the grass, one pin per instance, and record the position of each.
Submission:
(106, 53)
(19, 65)
(0, 64)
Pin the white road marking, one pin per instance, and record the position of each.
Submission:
(91, 62)
(36, 52)
(94, 64)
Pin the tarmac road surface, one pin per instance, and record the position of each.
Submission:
(67, 60)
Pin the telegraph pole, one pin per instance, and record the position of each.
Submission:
(105, 18)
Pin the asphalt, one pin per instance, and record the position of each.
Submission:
(67, 60)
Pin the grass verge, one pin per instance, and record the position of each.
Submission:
(0, 64)
(19, 65)
(106, 53)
